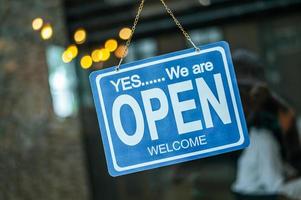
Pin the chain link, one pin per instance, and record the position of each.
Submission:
(128, 42)
(187, 36)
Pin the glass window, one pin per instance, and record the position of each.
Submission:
(142, 49)
(118, 1)
(62, 82)
(204, 36)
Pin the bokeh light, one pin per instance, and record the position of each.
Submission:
(46, 32)
(125, 33)
(111, 45)
(70, 53)
(205, 2)
(67, 56)
(120, 51)
(96, 55)
(73, 50)
(80, 36)
(37, 23)
(86, 62)
(105, 54)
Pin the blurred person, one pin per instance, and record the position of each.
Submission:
(270, 167)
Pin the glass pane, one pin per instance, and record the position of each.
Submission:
(62, 82)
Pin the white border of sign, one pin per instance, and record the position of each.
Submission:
(239, 142)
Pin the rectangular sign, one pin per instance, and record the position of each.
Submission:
(169, 109)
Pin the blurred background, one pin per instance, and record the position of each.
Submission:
(50, 147)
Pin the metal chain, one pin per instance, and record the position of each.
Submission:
(187, 36)
(128, 42)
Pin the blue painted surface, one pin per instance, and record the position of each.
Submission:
(170, 145)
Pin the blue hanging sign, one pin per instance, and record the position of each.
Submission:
(169, 109)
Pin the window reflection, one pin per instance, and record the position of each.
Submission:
(141, 49)
(62, 82)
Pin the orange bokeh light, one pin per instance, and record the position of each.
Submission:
(111, 45)
(120, 51)
(125, 33)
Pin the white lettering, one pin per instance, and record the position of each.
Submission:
(152, 150)
(136, 81)
(135, 138)
(201, 68)
(206, 96)
(126, 83)
(179, 107)
(116, 84)
(173, 72)
(177, 145)
(154, 115)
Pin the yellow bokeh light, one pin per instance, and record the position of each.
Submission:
(125, 33)
(80, 36)
(67, 56)
(86, 62)
(111, 45)
(46, 32)
(37, 23)
(96, 55)
(105, 54)
(73, 50)
(120, 51)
